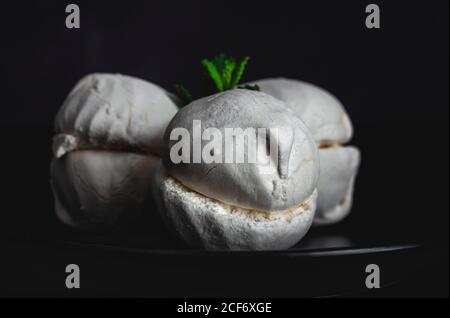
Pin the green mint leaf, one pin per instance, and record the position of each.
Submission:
(185, 95)
(239, 71)
(227, 73)
(213, 74)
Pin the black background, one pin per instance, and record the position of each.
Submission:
(393, 81)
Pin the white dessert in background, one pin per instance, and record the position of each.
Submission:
(331, 128)
(108, 136)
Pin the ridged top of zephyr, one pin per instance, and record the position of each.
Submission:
(284, 181)
(114, 112)
(321, 111)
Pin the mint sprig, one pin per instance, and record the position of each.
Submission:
(223, 72)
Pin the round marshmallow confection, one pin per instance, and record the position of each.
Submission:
(287, 180)
(239, 205)
(108, 137)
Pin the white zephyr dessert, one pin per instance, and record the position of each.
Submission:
(250, 205)
(106, 148)
(331, 128)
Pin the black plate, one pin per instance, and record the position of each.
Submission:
(136, 264)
